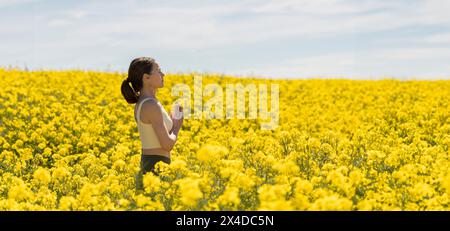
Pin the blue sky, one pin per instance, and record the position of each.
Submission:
(404, 39)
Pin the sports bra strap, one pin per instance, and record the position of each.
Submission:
(140, 105)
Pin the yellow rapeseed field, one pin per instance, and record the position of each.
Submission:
(69, 142)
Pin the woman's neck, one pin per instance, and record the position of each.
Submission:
(148, 93)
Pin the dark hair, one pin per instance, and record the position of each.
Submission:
(138, 67)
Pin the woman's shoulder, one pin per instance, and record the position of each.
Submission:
(148, 103)
(150, 111)
(151, 105)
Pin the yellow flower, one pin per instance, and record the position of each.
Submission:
(20, 192)
(119, 165)
(287, 168)
(273, 197)
(60, 173)
(366, 205)
(210, 152)
(333, 203)
(18, 144)
(243, 181)
(152, 183)
(42, 175)
(421, 190)
(42, 145)
(230, 198)
(445, 182)
(189, 191)
(303, 187)
(66, 203)
(400, 176)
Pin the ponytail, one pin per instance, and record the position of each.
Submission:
(128, 92)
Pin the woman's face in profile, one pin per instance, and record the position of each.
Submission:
(156, 78)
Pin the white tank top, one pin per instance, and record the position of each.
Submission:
(147, 134)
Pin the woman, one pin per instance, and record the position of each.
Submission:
(157, 130)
